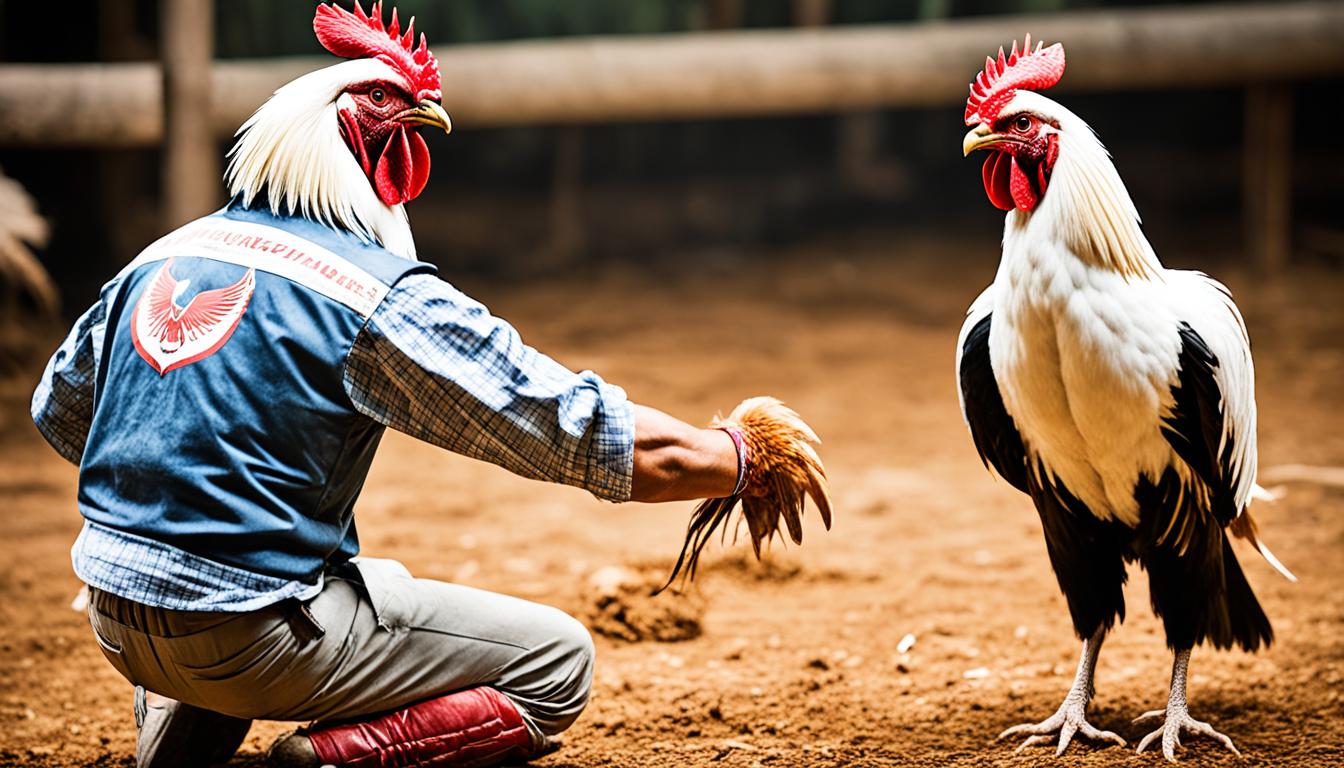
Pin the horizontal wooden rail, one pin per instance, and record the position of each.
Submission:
(724, 74)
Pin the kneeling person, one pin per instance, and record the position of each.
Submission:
(224, 398)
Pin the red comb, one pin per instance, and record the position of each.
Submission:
(995, 85)
(362, 36)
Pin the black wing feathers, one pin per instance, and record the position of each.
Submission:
(1195, 427)
(1195, 582)
(1196, 585)
(995, 435)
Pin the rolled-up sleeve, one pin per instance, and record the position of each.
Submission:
(62, 406)
(435, 364)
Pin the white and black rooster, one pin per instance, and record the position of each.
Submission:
(1118, 394)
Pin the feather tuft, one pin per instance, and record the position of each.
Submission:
(783, 471)
(21, 274)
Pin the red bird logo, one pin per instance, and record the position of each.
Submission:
(168, 336)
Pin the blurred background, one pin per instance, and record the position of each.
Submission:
(704, 200)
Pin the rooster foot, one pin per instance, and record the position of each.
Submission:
(1177, 718)
(1068, 720)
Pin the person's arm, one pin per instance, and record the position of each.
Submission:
(436, 365)
(62, 405)
(675, 461)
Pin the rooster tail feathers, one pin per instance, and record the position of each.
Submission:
(1274, 561)
(1244, 527)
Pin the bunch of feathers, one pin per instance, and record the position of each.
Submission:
(782, 471)
(26, 291)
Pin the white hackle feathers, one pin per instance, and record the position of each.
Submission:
(1088, 209)
(292, 150)
(784, 469)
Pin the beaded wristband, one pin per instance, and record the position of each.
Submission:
(743, 457)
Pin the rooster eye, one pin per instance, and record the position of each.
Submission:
(1023, 124)
(378, 96)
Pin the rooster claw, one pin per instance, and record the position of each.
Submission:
(1067, 722)
(1177, 719)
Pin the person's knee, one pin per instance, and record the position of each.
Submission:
(570, 658)
(574, 647)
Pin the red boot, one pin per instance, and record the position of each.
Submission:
(474, 728)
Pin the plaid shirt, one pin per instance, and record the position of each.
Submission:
(431, 362)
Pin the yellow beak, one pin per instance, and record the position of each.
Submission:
(979, 137)
(428, 113)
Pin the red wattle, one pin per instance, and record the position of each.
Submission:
(354, 138)
(419, 164)
(995, 175)
(403, 167)
(1024, 195)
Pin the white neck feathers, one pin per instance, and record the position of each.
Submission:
(291, 149)
(1087, 206)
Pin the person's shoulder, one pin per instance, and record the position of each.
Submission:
(419, 291)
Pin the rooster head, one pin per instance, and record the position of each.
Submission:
(1016, 125)
(341, 145)
(379, 115)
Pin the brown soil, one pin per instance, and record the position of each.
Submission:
(795, 662)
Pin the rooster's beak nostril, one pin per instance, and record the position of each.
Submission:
(979, 137)
(428, 113)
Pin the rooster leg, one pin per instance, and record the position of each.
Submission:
(1177, 715)
(1071, 717)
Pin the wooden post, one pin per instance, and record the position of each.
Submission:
(933, 9)
(811, 13)
(723, 14)
(860, 145)
(567, 231)
(129, 212)
(860, 133)
(1267, 190)
(191, 167)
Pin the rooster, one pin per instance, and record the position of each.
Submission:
(296, 149)
(1116, 393)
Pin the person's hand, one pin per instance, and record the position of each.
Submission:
(777, 470)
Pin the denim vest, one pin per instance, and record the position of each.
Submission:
(221, 422)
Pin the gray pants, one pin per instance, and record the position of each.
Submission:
(372, 641)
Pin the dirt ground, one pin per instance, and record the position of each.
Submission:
(797, 662)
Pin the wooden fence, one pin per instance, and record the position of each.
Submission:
(1261, 47)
